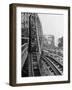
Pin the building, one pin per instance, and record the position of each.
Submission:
(51, 41)
(48, 42)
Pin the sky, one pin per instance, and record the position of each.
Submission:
(52, 24)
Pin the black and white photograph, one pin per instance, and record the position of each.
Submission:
(41, 44)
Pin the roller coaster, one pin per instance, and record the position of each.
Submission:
(35, 61)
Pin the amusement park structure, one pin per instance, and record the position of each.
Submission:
(37, 61)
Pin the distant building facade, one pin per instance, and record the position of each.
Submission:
(51, 41)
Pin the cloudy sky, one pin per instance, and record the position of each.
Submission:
(52, 24)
